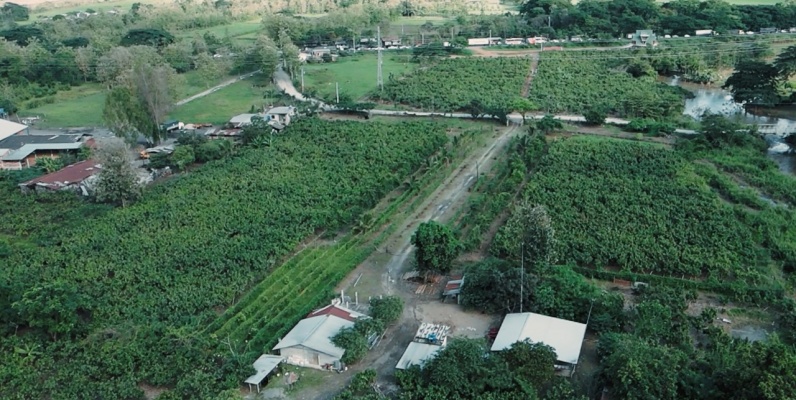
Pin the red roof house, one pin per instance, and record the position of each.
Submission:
(76, 177)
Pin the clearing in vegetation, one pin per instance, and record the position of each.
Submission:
(156, 270)
(574, 82)
(356, 75)
(218, 107)
(647, 209)
(452, 84)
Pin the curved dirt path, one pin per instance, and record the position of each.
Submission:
(214, 88)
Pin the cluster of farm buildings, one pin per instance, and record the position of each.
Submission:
(309, 344)
(20, 148)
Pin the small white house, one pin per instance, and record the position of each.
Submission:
(309, 343)
(281, 115)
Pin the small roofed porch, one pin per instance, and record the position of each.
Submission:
(264, 366)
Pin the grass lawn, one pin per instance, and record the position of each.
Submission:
(79, 106)
(356, 75)
(219, 106)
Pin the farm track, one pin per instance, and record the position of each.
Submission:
(526, 88)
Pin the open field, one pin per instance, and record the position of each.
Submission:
(219, 106)
(82, 105)
(356, 75)
(43, 8)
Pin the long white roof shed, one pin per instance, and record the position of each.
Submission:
(565, 337)
(315, 333)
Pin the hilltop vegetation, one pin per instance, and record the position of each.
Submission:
(137, 278)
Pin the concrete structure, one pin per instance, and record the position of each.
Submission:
(428, 341)
(704, 32)
(309, 343)
(391, 41)
(22, 151)
(264, 366)
(282, 115)
(516, 41)
(9, 128)
(565, 337)
(644, 38)
(78, 177)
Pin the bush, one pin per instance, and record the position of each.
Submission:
(387, 309)
(595, 116)
(354, 344)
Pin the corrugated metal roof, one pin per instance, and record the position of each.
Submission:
(18, 141)
(264, 365)
(281, 110)
(9, 128)
(67, 175)
(316, 333)
(337, 311)
(28, 149)
(416, 354)
(565, 337)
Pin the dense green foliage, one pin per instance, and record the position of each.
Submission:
(655, 357)
(643, 208)
(569, 82)
(452, 84)
(437, 247)
(464, 369)
(154, 271)
(386, 309)
(615, 18)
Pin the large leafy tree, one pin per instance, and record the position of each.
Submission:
(786, 62)
(118, 181)
(755, 82)
(437, 247)
(530, 229)
(15, 12)
(493, 286)
(147, 37)
(532, 362)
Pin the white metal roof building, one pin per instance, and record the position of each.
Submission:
(417, 353)
(565, 337)
(8, 128)
(264, 365)
(309, 343)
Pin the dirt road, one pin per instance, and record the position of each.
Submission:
(215, 88)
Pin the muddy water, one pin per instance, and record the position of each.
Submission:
(719, 101)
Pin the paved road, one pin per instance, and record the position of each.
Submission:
(215, 88)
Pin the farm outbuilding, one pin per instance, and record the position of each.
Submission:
(309, 343)
(565, 337)
(428, 341)
(264, 366)
(78, 177)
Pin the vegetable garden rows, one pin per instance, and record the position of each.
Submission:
(271, 309)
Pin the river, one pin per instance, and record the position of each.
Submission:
(719, 101)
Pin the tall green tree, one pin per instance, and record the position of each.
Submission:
(437, 247)
(755, 82)
(532, 362)
(117, 182)
(786, 62)
(267, 54)
(530, 229)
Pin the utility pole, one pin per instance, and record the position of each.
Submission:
(302, 79)
(379, 78)
(337, 92)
